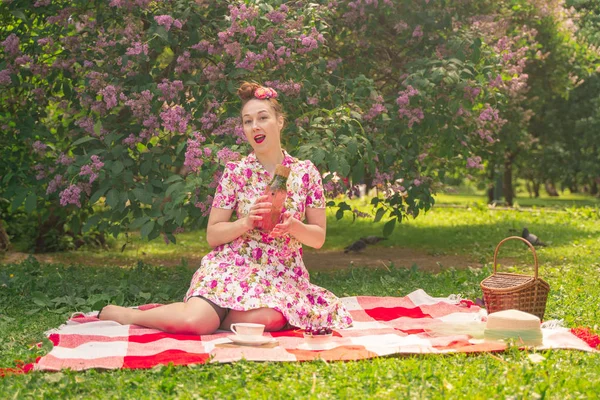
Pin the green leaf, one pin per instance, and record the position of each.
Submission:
(147, 228)
(97, 194)
(344, 166)
(117, 167)
(138, 222)
(18, 200)
(174, 187)
(146, 167)
(339, 214)
(98, 129)
(31, 203)
(318, 155)
(388, 228)
(83, 140)
(174, 178)
(112, 198)
(40, 299)
(143, 195)
(379, 214)
(20, 14)
(90, 223)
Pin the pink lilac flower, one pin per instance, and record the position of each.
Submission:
(45, 40)
(87, 124)
(474, 162)
(137, 48)
(175, 119)
(205, 207)
(164, 20)
(418, 32)
(184, 63)
(170, 90)
(5, 77)
(109, 94)
(376, 110)
(228, 127)
(92, 169)
(54, 184)
(132, 140)
(39, 147)
(471, 93)
(194, 153)
(140, 104)
(250, 61)
(11, 44)
(226, 155)
(23, 60)
(400, 26)
(71, 195)
(276, 17)
(242, 13)
(313, 101)
(65, 160)
(234, 49)
(41, 172)
(289, 88)
(488, 114)
(214, 72)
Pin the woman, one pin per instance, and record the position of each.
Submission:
(253, 276)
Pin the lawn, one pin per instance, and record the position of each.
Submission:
(34, 298)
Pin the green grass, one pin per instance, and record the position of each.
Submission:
(34, 298)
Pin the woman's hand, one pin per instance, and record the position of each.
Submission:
(285, 226)
(257, 210)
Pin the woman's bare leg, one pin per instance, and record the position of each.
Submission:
(196, 317)
(272, 319)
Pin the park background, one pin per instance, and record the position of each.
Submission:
(464, 121)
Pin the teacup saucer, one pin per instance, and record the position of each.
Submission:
(251, 340)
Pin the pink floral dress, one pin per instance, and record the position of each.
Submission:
(255, 270)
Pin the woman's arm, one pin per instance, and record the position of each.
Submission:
(221, 230)
(311, 233)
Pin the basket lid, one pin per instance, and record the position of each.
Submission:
(503, 280)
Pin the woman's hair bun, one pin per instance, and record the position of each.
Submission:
(246, 91)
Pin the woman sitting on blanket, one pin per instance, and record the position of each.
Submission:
(250, 275)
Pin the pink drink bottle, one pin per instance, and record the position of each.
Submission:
(276, 193)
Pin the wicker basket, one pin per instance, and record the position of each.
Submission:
(505, 291)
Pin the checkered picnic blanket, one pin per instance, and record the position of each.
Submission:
(382, 326)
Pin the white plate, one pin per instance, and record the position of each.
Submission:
(259, 340)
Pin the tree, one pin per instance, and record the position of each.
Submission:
(121, 114)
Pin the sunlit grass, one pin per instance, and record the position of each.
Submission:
(570, 264)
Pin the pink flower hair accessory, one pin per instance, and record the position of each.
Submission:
(263, 93)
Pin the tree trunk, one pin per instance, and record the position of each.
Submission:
(4, 239)
(536, 189)
(507, 186)
(551, 189)
(573, 188)
(594, 188)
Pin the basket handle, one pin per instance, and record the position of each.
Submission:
(523, 240)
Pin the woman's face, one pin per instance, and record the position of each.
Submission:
(262, 126)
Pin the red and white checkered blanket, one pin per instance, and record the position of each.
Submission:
(382, 326)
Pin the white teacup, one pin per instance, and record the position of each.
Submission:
(247, 329)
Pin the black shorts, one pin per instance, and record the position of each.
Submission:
(221, 312)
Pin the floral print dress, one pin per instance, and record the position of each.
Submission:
(256, 270)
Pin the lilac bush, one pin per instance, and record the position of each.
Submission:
(125, 110)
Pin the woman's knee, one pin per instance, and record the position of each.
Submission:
(199, 325)
(200, 318)
(274, 320)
